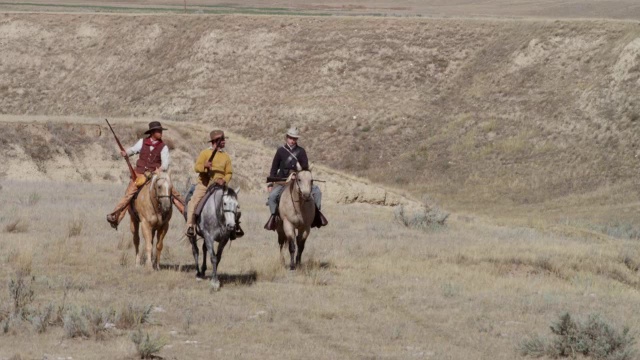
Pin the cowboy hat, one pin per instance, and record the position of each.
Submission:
(293, 132)
(215, 135)
(153, 126)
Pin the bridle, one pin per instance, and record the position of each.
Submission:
(224, 209)
(157, 208)
(296, 184)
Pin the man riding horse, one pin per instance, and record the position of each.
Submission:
(154, 158)
(288, 158)
(214, 169)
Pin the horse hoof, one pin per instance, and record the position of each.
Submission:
(215, 286)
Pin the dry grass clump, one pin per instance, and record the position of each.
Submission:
(429, 217)
(594, 338)
(21, 295)
(75, 227)
(147, 346)
(132, 316)
(17, 226)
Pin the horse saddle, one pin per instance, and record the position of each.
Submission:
(198, 210)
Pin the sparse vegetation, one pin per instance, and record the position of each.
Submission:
(132, 316)
(429, 217)
(147, 346)
(75, 227)
(21, 295)
(18, 225)
(593, 338)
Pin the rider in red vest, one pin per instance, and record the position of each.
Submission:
(154, 158)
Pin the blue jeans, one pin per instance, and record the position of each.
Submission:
(274, 197)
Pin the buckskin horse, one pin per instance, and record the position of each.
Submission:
(216, 223)
(297, 211)
(151, 212)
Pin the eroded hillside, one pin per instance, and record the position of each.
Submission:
(470, 111)
(83, 150)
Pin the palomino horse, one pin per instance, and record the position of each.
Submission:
(216, 224)
(297, 211)
(153, 207)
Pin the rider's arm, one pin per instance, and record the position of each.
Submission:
(303, 160)
(202, 159)
(275, 164)
(228, 171)
(165, 158)
(135, 149)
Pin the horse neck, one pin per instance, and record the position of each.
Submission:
(294, 191)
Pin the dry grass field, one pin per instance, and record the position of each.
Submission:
(523, 125)
(368, 288)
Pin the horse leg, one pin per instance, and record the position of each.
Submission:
(160, 244)
(301, 239)
(153, 250)
(135, 230)
(196, 255)
(282, 238)
(204, 258)
(215, 282)
(148, 239)
(290, 233)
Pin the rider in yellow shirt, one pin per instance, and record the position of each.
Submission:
(217, 172)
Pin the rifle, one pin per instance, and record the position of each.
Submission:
(279, 179)
(126, 157)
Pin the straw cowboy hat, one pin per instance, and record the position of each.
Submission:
(293, 132)
(153, 126)
(215, 135)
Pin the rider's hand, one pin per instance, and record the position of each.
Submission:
(123, 153)
(269, 188)
(220, 181)
(207, 165)
(158, 170)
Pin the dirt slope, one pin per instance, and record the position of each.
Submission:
(472, 111)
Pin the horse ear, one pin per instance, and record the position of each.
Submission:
(237, 190)
(311, 166)
(298, 167)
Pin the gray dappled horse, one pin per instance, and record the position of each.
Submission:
(216, 223)
(297, 211)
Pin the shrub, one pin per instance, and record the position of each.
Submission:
(147, 346)
(427, 218)
(42, 319)
(132, 316)
(593, 338)
(21, 295)
(97, 321)
(75, 324)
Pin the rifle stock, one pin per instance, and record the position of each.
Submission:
(126, 157)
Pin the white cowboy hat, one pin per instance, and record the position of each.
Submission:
(293, 132)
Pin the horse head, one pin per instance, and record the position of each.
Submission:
(162, 186)
(230, 208)
(304, 181)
